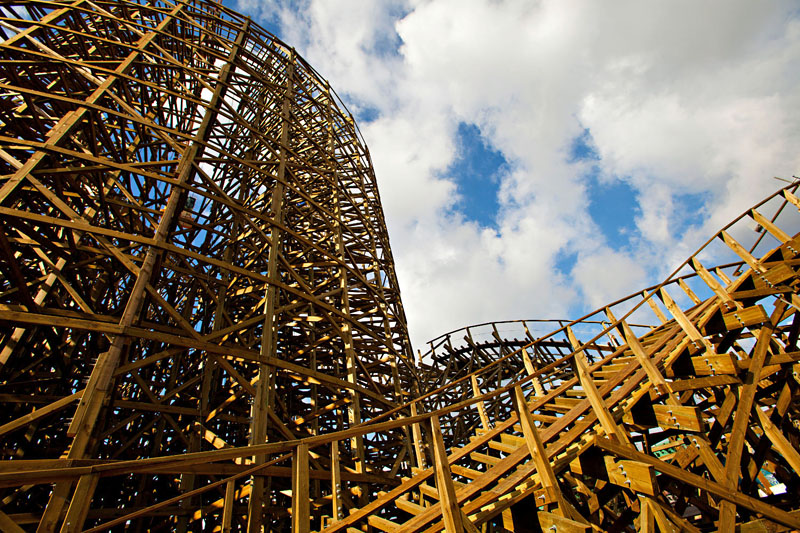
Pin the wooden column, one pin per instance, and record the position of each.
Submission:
(351, 363)
(101, 379)
(417, 433)
(227, 509)
(301, 506)
(476, 391)
(336, 483)
(262, 401)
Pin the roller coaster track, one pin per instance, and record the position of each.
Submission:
(688, 424)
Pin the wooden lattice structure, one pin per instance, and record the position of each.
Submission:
(193, 257)
(675, 409)
(201, 330)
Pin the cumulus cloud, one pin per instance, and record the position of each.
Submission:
(680, 100)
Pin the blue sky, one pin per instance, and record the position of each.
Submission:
(539, 159)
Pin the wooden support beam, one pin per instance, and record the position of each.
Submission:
(536, 448)
(79, 507)
(686, 324)
(227, 510)
(553, 522)
(741, 418)
(198, 260)
(301, 506)
(7, 525)
(336, 483)
(476, 391)
(598, 406)
(418, 442)
(716, 489)
(451, 511)
(741, 251)
(262, 403)
(770, 226)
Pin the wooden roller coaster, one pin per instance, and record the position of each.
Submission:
(201, 327)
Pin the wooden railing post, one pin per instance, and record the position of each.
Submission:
(336, 482)
(476, 391)
(227, 507)
(417, 434)
(301, 508)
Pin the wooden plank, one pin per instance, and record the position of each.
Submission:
(747, 317)
(686, 324)
(476, 392)
(779, 441)
(465, 472)
(39, 413)
(451, 511)
(689, 292)
(554, 522)
(502, 446)
(762, 526)
(712, 365)
(664, 524)
(382, 523)
(644, 359)
(767, 224)
(417, 434)
(703, 383)
(646, 520)
(652, 303)
(681, 417)
(8, 525)
(409, 506)
(716, 489)
(740, 250)
(227, 510)
(633, 475)
(711, 282)
(301, 506)
(791, 198)
(336, 483)
(537, 452)
(484, 458)
(598, 406)
(79, 506)
(429, 491)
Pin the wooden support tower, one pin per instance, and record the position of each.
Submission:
(193, 258)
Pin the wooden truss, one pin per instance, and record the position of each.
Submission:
(201, 330)
(675, 409)
(193, 258)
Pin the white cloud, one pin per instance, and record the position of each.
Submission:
(681, 98)
(604, 275)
